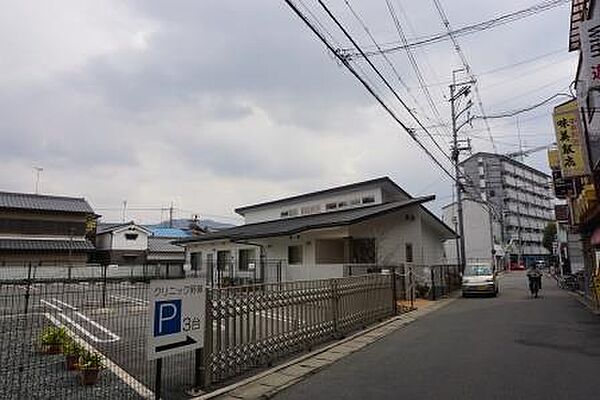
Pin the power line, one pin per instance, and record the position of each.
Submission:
(366, 29)
(526, 109)
(467, 30)
(385, 81)
(466, 66)
(350, 68)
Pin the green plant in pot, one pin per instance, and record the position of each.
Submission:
(72, 350)
(89, 365)
(52, 339)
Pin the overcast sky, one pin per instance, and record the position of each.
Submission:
(217, 104)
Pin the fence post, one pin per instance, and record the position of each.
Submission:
(104, 281)
(27, 292)
(432, 282)
(394, 294)
(206, 376)
(412, 287)
(335, 308)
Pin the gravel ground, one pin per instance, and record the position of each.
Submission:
(26, 373)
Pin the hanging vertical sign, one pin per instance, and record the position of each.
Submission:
(569, 139)
(590, 52)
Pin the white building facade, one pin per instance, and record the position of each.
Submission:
(330, 233)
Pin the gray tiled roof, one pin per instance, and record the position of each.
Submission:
(45, 245)
(28, 201)
(163, 245)
(290, 226)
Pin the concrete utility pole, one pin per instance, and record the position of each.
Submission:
(457, 91)
(171, 215)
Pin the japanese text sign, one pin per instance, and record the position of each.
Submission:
(176, 316)
(569, 139)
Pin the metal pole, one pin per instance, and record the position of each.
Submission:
(27, 293)
(412, 289)
(199, 369)
(158, 379)
(104, 276)
(432, 283)
(394, 294)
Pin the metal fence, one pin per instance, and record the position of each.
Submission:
(253, 326)
(247, 327)
(433, 281)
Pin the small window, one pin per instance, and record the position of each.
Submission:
(131, 236)
(285, 214)
(330, 206)
(294, 255)
(355, 201)
(245, 258)
(342, 204)
(368, 199)
(409, 252)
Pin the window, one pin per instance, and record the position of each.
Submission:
(409, 252)
(330, 251)
(245, 257)
(330, 206)
(196, 261)
(368, 199)
(223, 259)
(363, 251)
(131, 236)
(292, 212)
(295, 254)
(355, 201)
(342, 204)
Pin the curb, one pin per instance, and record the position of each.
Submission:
(590, 307)
(309, 364)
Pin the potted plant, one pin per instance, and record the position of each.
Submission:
(89, 365)
(72, 350)
(52, 339)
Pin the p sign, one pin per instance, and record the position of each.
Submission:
(167, 317)
(176, 316)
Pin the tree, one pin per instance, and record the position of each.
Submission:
(549, 236)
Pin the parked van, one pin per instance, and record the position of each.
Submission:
(479, 278)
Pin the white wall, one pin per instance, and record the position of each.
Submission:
(119, 242)
(274, 212)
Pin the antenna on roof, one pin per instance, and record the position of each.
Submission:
(38, 171)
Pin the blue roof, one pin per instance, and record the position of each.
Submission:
(169, 232)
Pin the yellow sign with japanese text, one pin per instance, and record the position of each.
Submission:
(569, 139)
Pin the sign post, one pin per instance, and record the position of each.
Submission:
(177, 320)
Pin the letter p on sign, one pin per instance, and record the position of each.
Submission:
(167, 317)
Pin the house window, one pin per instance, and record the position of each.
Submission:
(196, 261)
(409, 252)
(363, 251)
(245, 257)
(295, 255)
(342, 204)
(355, 201)
(330, 251)
(131, 236)
(330, 206)
(368, 199)
(223, 259)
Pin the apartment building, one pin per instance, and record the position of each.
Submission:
(521, 200)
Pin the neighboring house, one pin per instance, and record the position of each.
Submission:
(323, 234)
(44, 229)
(121, 243)
(130, 244)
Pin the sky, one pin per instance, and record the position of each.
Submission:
(211, 105)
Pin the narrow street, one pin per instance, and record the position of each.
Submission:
(509, 347)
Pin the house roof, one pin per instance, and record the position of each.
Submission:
(290, 226)
(29, 201)
(45, 245)
(168, 232)
(383, 180)
(107, 227)
(163, 245)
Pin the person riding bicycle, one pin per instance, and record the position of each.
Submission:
(535, 276)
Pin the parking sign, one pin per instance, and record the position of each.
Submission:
(176, 316)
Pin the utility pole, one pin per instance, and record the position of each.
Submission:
(124, 210)
(38, 171)
(171, 215)
(457, 91)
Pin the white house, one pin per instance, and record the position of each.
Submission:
(122, 243)
(324, 234)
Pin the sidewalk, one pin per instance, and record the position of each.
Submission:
(267, 384)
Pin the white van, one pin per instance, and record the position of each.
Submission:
(479, 278)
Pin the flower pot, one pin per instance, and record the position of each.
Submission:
(88, 376)
(52, 348)
(71, 362)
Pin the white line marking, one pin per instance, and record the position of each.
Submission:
(97, 325)
(50, 305)
(88, 333)
(136, 301)
(54, 299)
(129, 380)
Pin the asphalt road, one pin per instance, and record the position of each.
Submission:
(509, 347)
